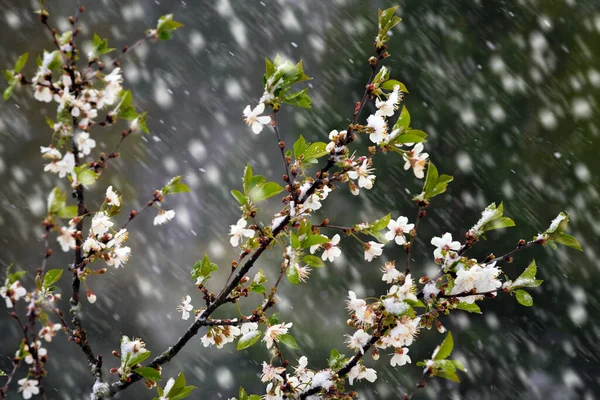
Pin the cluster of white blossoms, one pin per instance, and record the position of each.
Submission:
(336, 146)
(416, 160)
(63, 166)
(477, 278)
(221, 335)
(101, 243)
(300, 382)
(130, 350)
(362, 170)
(12, 292)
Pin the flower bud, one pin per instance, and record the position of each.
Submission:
(373, 60)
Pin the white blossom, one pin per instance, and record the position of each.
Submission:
(84, 143)
(51, 153)
(358, 340)
(379, 128)
(390, 273)
(359, 371)
(92, 244)
(101, 223)
(66, 166)
(49, 331)
(400, 357)
(29, 387)
(397, 229)
(254, 119)
(354, 303)
(185, 307)
(164, 216)
(417, 160)
(43, 94)
(481, 279)
(66, 239)
(388, 107)
(274, 331)
(238, 231)
(271, 373)
(364, 175)
(444, 243)
(11, 293)
(372, 250)
(119, 256)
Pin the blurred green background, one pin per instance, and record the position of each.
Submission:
(508, 92)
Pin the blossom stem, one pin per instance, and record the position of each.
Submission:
(420, 384)
(47, 252)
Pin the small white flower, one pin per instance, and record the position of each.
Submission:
(66, 239)
(274, 331)
(50, 153)
(394, 306)
(270, 373)
(331, 251)
(43, 94)
(397, 230)
(84, 143)
(12, 293)
(119, 256)
(185, 307)
(354, 304)
(238, 231)
(101, 223)
(312, 202)
(364, 175)
(444, 243)
(400, 357)
(29, 387)
(164, 216)
(92, 244)
(358, 340)
(390, 273)
(416, 160)
(388, 107)
(49, 331)
(66, 166)
(379, 127)
(118, 239)
(253, 118)
(372, 250)
(112, 198)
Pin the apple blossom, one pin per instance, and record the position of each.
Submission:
(254, 119)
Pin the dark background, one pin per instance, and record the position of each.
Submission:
(507, 90)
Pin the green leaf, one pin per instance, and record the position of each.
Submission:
(85, 175)
(313, 261)
(239, 197)
(263, 192)
(448, 375)
(9, 76)
(524, 298)
(67, 212)
(336, 359)
(300, 146)
(431, 178)
(390, 84)
(8, 92)
(2, 373)
(51, 277)
(148, 373)
(502, 222)
(203, 268)
(408, 138)
(248, 340)
(166, 25)
(299, 99)
(288, 340)
(141, 357)
(445, 349)
(568, 240)
(472, 308)
(315, 150)
(258, 289)
(403, 120)
(292, 275)
(313, 240)
(175, 186)
(247, 178)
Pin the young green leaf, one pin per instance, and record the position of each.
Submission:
(472, 308)
(248, 340)
(148, 373)
(524, 298)
(445, 349)
(51, 277)
(288, 340)
(568, 240)
(313, 261)
(292, 275)
(243, 200)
